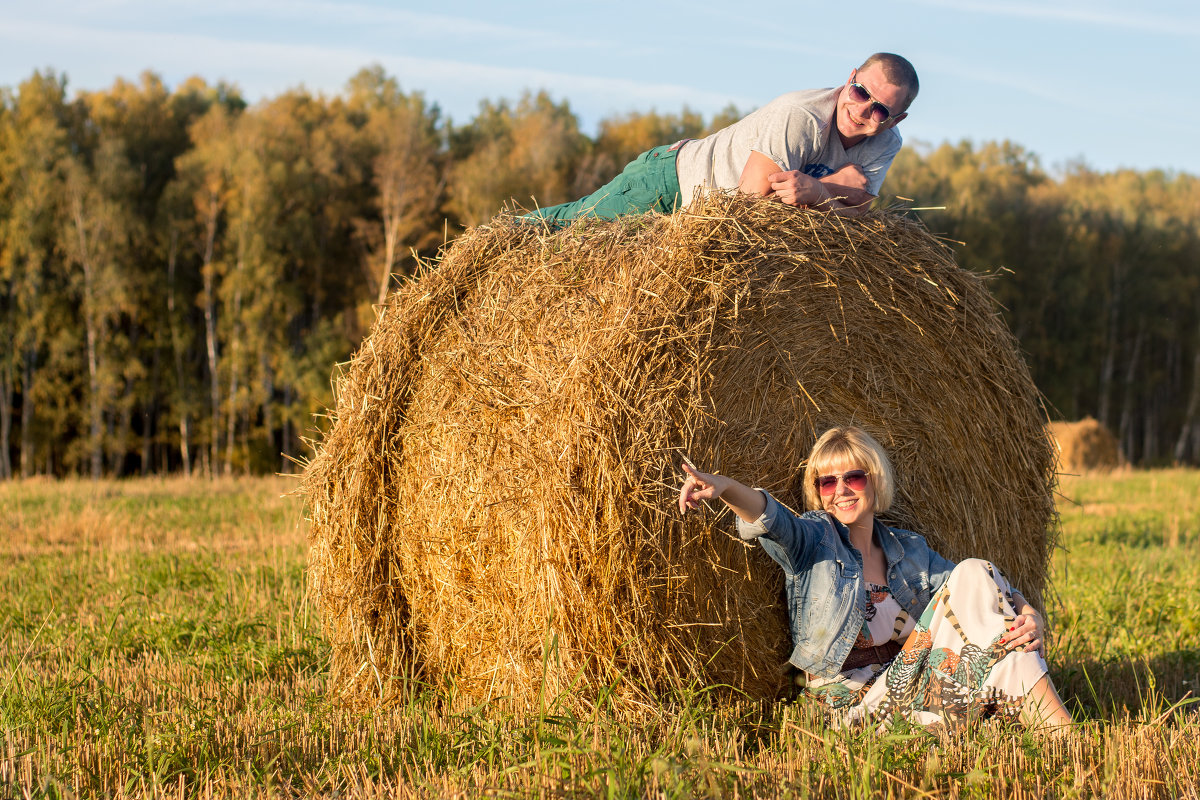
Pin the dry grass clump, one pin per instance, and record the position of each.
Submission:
(494, 504)
(1085, 445)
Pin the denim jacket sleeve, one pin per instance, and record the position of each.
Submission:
(787, 538)
(936, 566)
(939, 569)
(822, 581)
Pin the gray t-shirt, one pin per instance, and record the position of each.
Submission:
(796, 131)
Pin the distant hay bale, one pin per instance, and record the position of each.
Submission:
(495, 502)
(1085, 446)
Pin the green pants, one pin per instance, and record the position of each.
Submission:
(648, 183)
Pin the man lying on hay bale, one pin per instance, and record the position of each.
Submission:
(882, 625)
(787, 150)
(493, 505)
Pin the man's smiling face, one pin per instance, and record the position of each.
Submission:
(854, 121)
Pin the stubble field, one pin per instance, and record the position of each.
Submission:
(156, 641)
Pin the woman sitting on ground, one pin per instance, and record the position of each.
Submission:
(882, 625)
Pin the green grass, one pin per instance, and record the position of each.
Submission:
(155, 640)
(1127, 611)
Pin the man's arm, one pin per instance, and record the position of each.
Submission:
(756, 175)
(763, 177)
(850, 186)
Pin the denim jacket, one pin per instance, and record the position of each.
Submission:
(824, 579)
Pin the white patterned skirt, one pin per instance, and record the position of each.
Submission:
(952, 667)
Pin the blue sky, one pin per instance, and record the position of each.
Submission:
(1111, 83)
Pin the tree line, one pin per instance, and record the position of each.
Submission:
(1098, 275)
(180, 270)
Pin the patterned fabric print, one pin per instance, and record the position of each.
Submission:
(840, 695)
(947, 671)
(877, 596)
(884, 621)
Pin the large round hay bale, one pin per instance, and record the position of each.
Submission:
(495, 502)
(1086, 445)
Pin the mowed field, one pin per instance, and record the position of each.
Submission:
(156, 641)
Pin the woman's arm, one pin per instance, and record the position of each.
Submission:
(747, 503)
(785, 537)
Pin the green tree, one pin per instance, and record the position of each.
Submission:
(148, 127)
(189, 215)
(199, 199)
(622, 138)
(33, 147)
(289, 223)
(95, 241)
(524, 155)
(402, 143)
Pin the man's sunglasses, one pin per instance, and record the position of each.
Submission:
(878, 112)
(856, 479)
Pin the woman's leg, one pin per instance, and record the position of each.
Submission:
(1044, 709)
(955, 664)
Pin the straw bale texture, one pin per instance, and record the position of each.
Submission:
(1085, 446)
(494, 504)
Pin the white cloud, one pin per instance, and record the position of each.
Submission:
(1171, 24)
(263, 68)
(315, 17)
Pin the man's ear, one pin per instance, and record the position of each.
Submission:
(896, 120)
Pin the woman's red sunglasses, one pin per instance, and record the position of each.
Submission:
(856, 479)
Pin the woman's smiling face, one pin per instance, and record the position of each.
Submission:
(849, 506)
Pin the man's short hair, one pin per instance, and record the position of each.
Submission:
(899, 72)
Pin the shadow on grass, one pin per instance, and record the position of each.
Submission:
(1133, 687)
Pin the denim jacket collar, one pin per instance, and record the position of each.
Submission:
(893, 551)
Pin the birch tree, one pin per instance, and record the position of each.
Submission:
(402, 142)
(33, 141)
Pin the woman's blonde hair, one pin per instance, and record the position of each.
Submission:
(857, 446)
